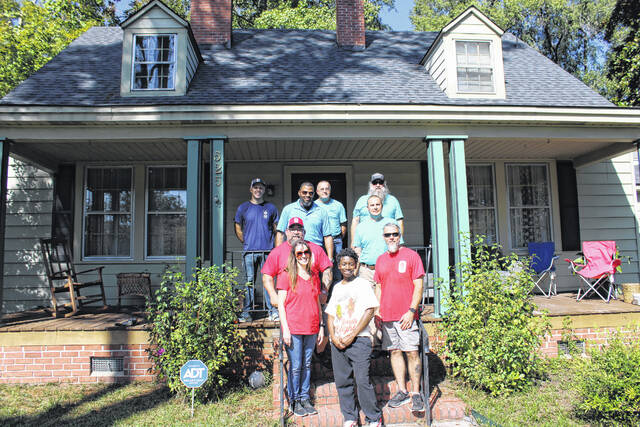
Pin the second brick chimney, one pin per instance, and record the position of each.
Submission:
(350, 24)
(211, 21)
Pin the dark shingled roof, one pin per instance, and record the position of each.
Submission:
(297, 67)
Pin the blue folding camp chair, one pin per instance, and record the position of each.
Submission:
(543, 259)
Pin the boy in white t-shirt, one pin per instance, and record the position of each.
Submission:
(350, 309)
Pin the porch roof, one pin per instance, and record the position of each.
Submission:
(297, 67)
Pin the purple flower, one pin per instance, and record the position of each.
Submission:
(160, 351)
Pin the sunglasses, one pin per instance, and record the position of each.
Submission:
(296, 228)
(306, 193)
(300, 254)
(377, 182)
(391, 234)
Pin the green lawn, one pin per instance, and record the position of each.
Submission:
(550, 403)
(136, 404)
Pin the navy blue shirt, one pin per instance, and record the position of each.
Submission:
(257, 222)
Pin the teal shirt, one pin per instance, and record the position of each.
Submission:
(336, 213)
(390, 208)
(369, 238)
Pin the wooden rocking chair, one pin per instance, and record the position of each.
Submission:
(63, 277)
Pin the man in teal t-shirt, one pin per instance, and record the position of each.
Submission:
(391, 206)
(337, 219)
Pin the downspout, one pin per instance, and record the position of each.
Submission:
(635, 198)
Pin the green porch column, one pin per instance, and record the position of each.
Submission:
(217, 200)
(439, 230)
(459, 203)
(194, 201)
(4, 166)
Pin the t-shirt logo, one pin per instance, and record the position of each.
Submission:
(402, 266)
(265, 214)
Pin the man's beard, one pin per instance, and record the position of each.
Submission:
(306, 205)
(382, 192)
(393, 247)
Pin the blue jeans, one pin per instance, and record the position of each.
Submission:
(252, 262)
(299, 378)
(337, 247)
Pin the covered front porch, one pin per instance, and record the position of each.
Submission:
(448, 179)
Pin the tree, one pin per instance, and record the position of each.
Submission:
(302, 14)
(569, 32)
(31, 33)
(624, 60)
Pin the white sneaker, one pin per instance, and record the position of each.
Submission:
(376, 423)
(350, 424)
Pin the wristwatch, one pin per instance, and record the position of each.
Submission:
(413, 310)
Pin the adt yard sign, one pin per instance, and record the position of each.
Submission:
(194, 373)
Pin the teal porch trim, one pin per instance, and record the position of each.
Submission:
(439, 232)
(459, 204)
(194, 196)
(4, 167)
(217, 181)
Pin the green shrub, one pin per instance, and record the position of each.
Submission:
(195, 320)
(609, 386)
(491, 335)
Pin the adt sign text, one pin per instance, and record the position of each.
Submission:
(194, 373)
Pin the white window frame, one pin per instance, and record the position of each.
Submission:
(146, 213)
(85, 214)
(492, 66)
(550, 206)
(495, 199)
(174, 62)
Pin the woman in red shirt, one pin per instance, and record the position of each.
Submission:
(300, 314)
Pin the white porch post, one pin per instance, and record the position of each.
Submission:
(4, 166)
(459, 203)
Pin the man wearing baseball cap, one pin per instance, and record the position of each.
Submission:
(255, 225)
(390, 205)
(276, 263)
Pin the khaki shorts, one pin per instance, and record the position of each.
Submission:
(394, 338)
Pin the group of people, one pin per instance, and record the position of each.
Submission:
(376, 294)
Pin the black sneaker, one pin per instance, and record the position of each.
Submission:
(306, 404)
(417, 404)
(298, 409)
(399, 399)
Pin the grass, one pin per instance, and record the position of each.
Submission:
(139, 404)
(549, 403)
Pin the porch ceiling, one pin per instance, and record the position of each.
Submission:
(51, 154)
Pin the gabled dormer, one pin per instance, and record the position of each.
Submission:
(159, 53)
(466, 57)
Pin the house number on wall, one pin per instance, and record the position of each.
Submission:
(218, 159)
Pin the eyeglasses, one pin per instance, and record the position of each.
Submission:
(391, 234)
(306, 193)
(377, 182)
(300, 254)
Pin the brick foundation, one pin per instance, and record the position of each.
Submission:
(594, 338)
(35, 364)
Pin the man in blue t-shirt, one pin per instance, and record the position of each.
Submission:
(337, 220)
(255, 225)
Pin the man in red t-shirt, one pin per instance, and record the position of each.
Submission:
(398, 276)
(276, 262)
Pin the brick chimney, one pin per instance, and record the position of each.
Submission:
(350, 24)
(211, 21)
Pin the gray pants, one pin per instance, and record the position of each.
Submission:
(349, 364)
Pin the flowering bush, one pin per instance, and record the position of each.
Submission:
(195, 320)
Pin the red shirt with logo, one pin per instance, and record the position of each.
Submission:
(395, 273)
(301, 305)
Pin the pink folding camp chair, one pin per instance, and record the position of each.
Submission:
(597, 269)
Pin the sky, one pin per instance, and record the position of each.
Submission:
(398, 19)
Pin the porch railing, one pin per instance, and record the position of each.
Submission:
(235, 259)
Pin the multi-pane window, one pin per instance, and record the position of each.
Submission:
(474, 67)
(154, 62)
(482, 202)
(529, 203)
(166, 211)
(107, 212)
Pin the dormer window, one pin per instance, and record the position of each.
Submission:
(474, 67)
(154, 62)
